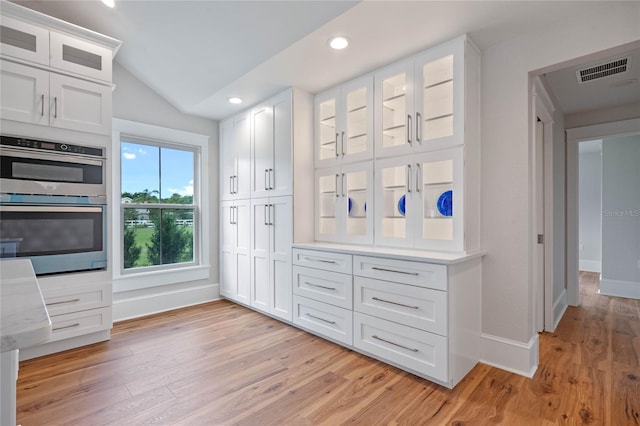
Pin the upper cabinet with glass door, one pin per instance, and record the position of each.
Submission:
(420, 102)
(344, 123)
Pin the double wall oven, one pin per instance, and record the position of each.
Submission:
(53, 204)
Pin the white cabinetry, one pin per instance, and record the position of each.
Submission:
(55, 79)
(420, 314)
(344, 198)
(323, 287)
(344, 123)
(235, 241)
(421, 201)
(271, 239)
(426, 156)
(32, 95)
(257, 221)
(271, 169)
(420, 102)
(235, 157)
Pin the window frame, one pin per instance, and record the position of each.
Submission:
(151, 276)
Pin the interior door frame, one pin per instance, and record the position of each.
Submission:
(542, 108)
(574, 137)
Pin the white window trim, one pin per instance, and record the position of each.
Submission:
(146, 279)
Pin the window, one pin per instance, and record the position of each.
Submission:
(158, 206)
(160, 220)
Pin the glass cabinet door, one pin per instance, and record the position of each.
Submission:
(326, 128)
(356, 120)
(356, 183)
(328, 204)
(438, 176)
(393, 202)
(394, 110)
(439, 93)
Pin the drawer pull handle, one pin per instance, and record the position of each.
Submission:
(395, 344)
(395, 303)
(311, 259)
(75, 324)
(321, 319)
(393, 270)
(62, 302)
(318, 285)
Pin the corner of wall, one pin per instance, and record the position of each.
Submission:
(510, 355)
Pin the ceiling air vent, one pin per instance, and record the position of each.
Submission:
(603, 70)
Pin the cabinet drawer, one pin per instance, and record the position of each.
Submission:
(75, 299)
(422, 352)
(402, 271)
(325, 260)
(324, 286)
(79, 323)
(418, 307)
(323, 319)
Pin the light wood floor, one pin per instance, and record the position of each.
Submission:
(219, 364)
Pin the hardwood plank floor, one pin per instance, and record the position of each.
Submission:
(222, 364)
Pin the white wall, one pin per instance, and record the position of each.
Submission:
(590, 210)
(599, 116)
(134, 101)
(621, 217)
(508, 299)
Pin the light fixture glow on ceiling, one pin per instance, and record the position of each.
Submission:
(235, 100)
(110, 3)
(339, 42)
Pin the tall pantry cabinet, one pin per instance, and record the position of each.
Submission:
(265, 147)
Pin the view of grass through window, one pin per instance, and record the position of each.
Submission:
(157, 205)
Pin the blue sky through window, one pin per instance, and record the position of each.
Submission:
(141, 166)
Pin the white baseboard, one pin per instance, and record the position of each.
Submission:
(590, 265)
(510, 355)
(559, 308)
(158, 300)
(629, 289)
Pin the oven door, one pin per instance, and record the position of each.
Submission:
(50, 173)
(57, 238)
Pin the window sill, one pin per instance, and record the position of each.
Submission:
(159, 278)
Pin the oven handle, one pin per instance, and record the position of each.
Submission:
(50, 156)
(61, 209)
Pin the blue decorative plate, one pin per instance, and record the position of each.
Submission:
(401, 205)
(445, 203)
(350, 204)
(365, 207)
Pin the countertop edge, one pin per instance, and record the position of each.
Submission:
(443, 258)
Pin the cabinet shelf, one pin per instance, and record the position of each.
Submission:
(356, 109)
(393, 98)
(429, 86)
(440, 117)
(357, 136)
(392, 128)
(445, 182)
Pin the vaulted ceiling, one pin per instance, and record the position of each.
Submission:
(197, 54)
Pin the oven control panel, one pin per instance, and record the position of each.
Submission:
(51, 146)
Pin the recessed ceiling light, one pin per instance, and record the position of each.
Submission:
(339, 42)
(110, 3)
(235, 100)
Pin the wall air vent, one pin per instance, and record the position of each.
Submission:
(604, 70)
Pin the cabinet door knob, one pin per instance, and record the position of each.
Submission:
(408, 177)
(337, 152)
(418, 127)
(409, 129)
(42, 106)
(55, 107)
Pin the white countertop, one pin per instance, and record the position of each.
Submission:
(442, 258)
(24, 320)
